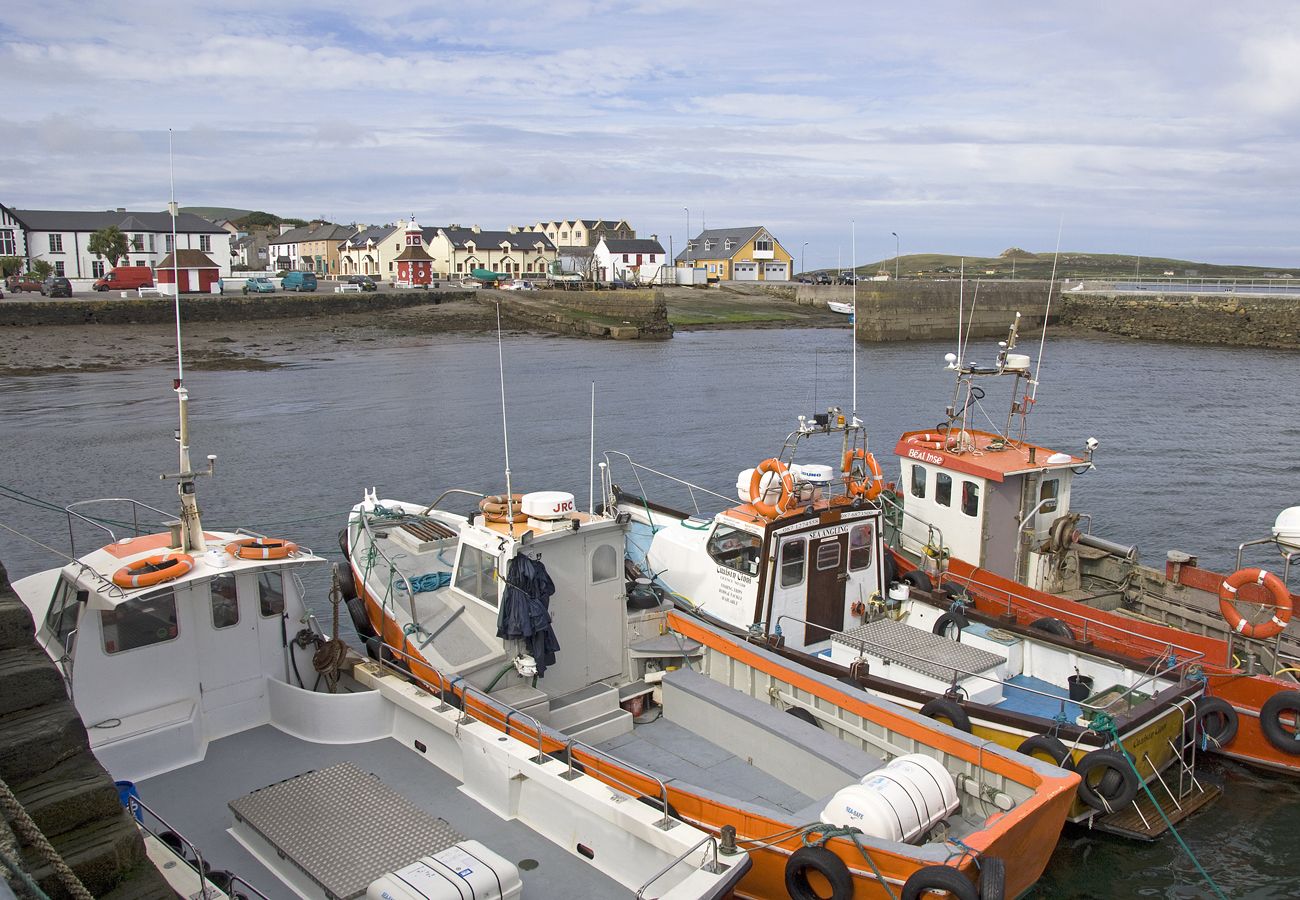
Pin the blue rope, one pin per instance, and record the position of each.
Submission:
(421, 584)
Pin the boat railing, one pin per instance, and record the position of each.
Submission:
(102, 524)
(393, 568)
(207, 889)
(1091, 627)
(505, 714)
(894, 653)
(637, 468)
(477, 495)
(711, 868)
(1288, 556)
(934, 534)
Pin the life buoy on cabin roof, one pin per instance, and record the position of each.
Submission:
(153, 570)
(757, 490)
(1276, 590)
(500, 508)
(261, 548)
(872, 480)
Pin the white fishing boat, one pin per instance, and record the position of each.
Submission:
(837, 306)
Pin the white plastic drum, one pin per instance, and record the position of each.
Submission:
(900, 802)
(770, 484)
(1286, 530)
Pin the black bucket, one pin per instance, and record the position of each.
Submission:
(1080, 687)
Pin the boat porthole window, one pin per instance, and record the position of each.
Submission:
(604, 564)
(225, 602)
(140, 622)
(918, 481)
(794, 552)
(860, 540)
(970, 498)
(943, 489)
(270, 593)
(1047, 495)
(828, 555)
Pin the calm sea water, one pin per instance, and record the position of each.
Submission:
(1197, 453)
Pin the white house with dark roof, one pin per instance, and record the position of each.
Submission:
(363, 252)
(458, 251)
(282, 249)
(637, 260)
(60, 237)
(583, 232)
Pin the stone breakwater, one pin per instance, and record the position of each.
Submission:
(1234, 320)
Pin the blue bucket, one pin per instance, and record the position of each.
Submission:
(125, 793)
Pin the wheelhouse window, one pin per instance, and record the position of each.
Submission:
(604, 564)
(794, 553)
(61, 618)
(474, 574)
(970, 498)
(918, 481)
(861, 538)
(1048, 491)
(270, 593)
(225, 601)
(735, 549)
(141, 622)
(828, 555)
(943, 489)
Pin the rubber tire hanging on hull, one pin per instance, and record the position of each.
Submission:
(1270, 720)
(993, 878)
(824, 863)
(919, 580)
(889, 569)
(951, 617)
(1216, 719)
(938, 878)
(1048, 625)
(946, 708)
(1056, 751)
(804, 716)
(1109, 794)
(360, 621)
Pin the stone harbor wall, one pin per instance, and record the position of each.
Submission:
(621, 315)
(1234, 320)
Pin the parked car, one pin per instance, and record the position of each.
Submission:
(848, 278)
(804, 279)
(259, 285)
(125, 278)
(518, 286)
(367, 283)
(56, 286)
(822, 278)
(20, 283)
(299, 281)
(620, 283)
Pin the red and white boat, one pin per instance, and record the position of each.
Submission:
(986, 515)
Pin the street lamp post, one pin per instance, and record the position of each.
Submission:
(895, 234)
(803, 259)
(686, 243)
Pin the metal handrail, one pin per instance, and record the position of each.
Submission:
(713, 867)
(636, 473)
(888, 500)
(393, 567)
(862, 644)
(434, 505)
(134, 804)
(135, 517)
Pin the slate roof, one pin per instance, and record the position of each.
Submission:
(292, 236)
(374, 233)
(635, 245)
(328, 232)
(459, 237)
(718, 237)
(79, 220)
(189, 259)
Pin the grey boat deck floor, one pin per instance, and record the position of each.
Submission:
(679, 754)
(194, 801)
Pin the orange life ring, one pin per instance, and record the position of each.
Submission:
(499, 508)
(872, 481)
(1276, 589)
(931, 441)
(153, 570)
(770, 510)
(261, 548)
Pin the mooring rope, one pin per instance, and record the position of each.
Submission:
(27, 829)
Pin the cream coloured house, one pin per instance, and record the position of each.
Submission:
(584, 232)
(459, 251)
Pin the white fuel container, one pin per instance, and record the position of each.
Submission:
(467, 871)
(900, 802)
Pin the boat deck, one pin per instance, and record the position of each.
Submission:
(1034, 704)
(678, 754)
(194, 801)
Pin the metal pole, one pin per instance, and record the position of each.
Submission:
(803, 259)
(895, 234)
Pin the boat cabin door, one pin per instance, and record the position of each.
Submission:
(827, 575)
(231, 681)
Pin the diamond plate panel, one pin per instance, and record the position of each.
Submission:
(918, 650)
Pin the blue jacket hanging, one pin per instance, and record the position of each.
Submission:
(525, 613)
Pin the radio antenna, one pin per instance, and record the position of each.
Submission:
(1051, 285)
(505, 430)
(853, 327)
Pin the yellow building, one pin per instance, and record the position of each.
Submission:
(318, 251)
(738, 254)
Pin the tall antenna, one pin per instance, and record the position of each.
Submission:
(853, 329)
(591, 471)
(505, 431)
(176, 282)
(1051, 284)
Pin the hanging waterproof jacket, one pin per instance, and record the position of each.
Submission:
(525, 613)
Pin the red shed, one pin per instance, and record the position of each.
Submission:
(414, 265)
(198, 274)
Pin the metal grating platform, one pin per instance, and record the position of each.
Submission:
(918, 650)
(428, 530)
(342, 827)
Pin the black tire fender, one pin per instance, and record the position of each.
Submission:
(889, 568)
(919, 580)
(1052, 747)
(360, 621)
(938, 878)
(1049, 625)
(1216, 719)
(946, 708)
(804, 716)
(1108, 794)
(1270, 720)
(944, 621)
(993, 878)
(826, 864)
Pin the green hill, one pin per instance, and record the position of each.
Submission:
(1020, 264)
(216, 213)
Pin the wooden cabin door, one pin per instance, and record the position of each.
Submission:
(827, 575)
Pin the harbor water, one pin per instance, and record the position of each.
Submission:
(1197, 453)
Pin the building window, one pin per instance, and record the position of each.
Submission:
(763, 245)
(137, 623)
(56, 243)
(712, 267)
(137, 242)
(652, 257)
(474, 574)
(735, 549)
(270, 593)
(624, 257)
(8, 246)
(860, 540)
(943, 489)
(58, 268)
(97, 268)
(167, 243)
(139, 262)
(225, 602)
(729, 244)
(970, 498)
(205, 243)
(918, 481)
(152, 243)
(793, 554)
(1047, 494)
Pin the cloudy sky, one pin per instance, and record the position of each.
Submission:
(1157, 128)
